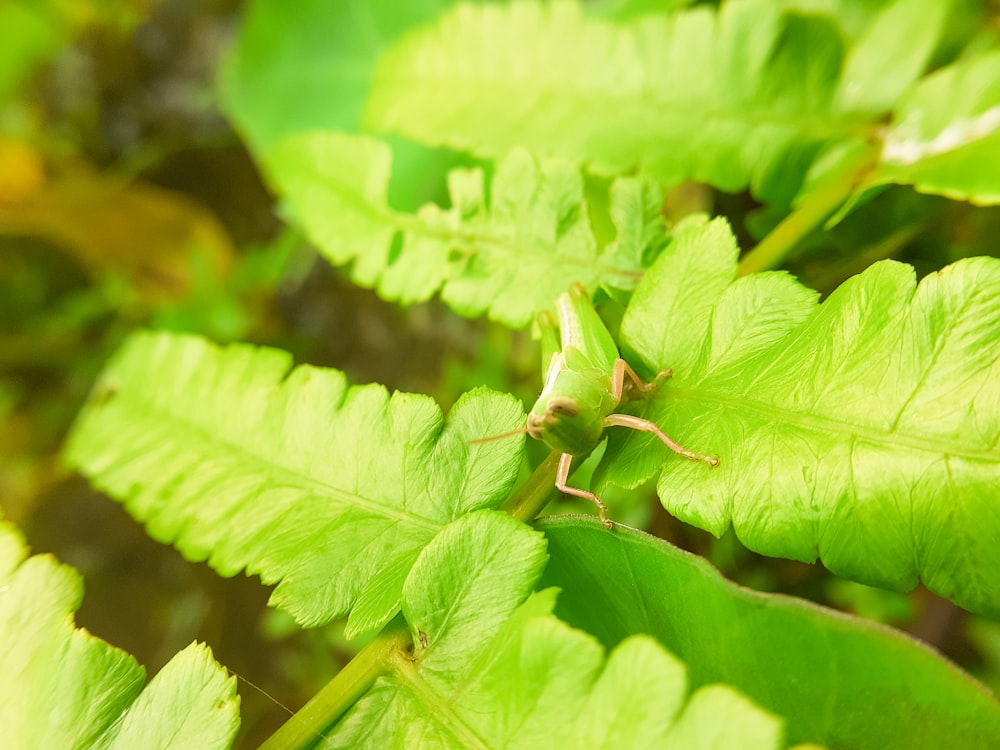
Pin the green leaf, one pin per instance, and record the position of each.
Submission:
(700, 249)
(319, 55)
(490, 671)
(839, 680)
(508, 260)
(863, 431)
(945, 136)
(329, 490)
(62, 687)
(191, 686)
(890, 54)
(745, 96)
(30, 32)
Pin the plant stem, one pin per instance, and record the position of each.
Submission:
(534, 494)
(309, 723)
(775, 246)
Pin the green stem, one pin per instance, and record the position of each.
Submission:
(534, 494)
(304, 728)
(308, 724)
(821, 204)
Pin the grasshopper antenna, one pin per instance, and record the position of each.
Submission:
(491, 438)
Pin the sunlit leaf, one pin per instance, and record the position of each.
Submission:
(329, 490)
(745, 96)
(62, 687)
(508, 256)
(863, 431)
(490, 671)
(945, 136)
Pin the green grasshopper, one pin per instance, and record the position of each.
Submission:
(584, 384)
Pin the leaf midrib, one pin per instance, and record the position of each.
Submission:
(822, 423)
(408, 673)
(825, 125)
(276, 470)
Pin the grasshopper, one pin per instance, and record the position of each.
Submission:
(585, 380)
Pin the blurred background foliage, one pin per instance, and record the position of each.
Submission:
(129, 197)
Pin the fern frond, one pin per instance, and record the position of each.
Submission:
(864, 431)
(745, 96)
(326, 489)
(62, 687)
(492, 667)
(507, 257)
(945, 137)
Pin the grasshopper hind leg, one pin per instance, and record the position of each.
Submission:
(562, 476)
(637, 423)
(623, 370)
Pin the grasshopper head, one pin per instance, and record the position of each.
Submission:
(563, 426)
(556, 408)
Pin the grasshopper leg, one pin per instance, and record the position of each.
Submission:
(637, 423)
(623, 368)
(562, 476)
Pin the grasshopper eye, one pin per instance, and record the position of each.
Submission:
(562, 405)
